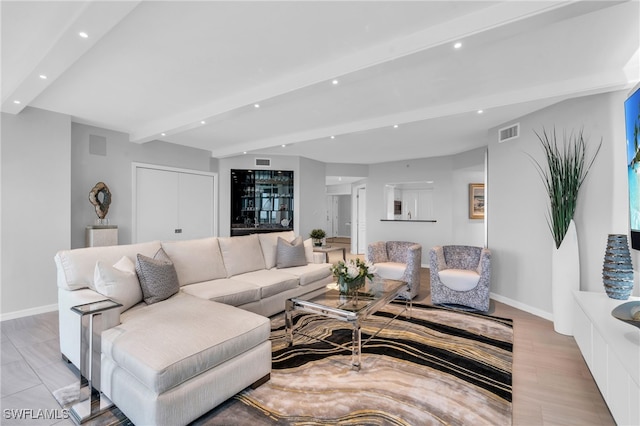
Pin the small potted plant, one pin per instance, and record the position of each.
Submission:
(317, 235)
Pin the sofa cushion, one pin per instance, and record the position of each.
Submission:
(289, 254)
(272, 281)
(196, 260)
(225, 290)
(459, 279)
(391, 270)
(268, 243)
(139, 343)
(157, 276)
(241, 254)
(311, 272)
(118, 282)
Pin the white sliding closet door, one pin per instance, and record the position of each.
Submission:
(173, 204)
(156, 205)
(195, 201)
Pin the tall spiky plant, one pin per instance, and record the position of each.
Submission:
(567, 168)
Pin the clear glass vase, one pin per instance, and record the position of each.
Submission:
(350, 288)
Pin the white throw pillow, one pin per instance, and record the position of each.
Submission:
(125, 265)
(118, 282)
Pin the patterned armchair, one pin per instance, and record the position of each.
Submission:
(398, 260)
(460, 275)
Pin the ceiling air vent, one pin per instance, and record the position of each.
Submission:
(508, 133)
(263, 162)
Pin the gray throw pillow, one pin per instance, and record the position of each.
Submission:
(289, 254)
(157, 276)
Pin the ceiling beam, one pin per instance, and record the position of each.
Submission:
(98, 18)
(556, 91)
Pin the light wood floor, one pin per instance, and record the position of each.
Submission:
(551, 382)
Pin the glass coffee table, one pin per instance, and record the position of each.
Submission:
(352, 309)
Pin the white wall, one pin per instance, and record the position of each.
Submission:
(346, 170)
(114, 169)
(312, 196)
(451, 176)
(35, 208)
(344, 215)
(518, 233)
(468, 168)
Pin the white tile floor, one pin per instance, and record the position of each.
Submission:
(31, 369)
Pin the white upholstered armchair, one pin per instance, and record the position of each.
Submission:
(398, 260)
(460, 275)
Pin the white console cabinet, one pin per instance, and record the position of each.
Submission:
(611, 349)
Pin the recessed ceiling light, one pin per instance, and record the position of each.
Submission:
(480, 111)
(395, 126)
(335, 82)
(256, 105)
(339, 178)
(203, 122)
(244, 152)
(42, 76)
(458, 45)
(83, 34)
(17, 102)
(283, 145)
(333, 137)
(163, 134)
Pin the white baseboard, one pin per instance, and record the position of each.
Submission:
(28, 312)
(523, 307)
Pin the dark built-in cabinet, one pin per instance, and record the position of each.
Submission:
(261, 201)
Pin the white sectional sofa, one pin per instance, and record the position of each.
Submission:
(173, 360)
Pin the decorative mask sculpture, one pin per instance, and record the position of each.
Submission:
(100, 197)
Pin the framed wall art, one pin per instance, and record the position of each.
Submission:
(476, 201)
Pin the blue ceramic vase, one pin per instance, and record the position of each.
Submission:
(617, 270)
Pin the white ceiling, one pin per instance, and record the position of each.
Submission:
(155, 67)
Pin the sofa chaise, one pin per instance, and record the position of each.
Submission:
(167, 357)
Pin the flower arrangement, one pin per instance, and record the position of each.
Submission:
(353, 270)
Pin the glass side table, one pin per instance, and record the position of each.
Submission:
(90, 348)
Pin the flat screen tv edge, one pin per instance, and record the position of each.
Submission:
(632, 127)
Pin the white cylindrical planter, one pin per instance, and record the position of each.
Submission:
(565, 278)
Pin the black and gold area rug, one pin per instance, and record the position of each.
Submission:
(437, 367)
